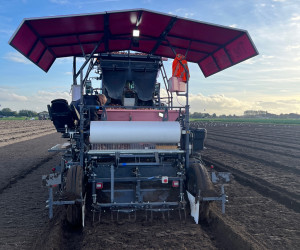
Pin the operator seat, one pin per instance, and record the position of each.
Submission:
(61, 115)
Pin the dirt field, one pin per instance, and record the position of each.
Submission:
(263, 209)
(264, 198)
(17, 131)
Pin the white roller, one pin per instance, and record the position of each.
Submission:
(134, 132)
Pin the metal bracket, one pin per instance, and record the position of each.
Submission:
(221, 177)
(51, 179)
(104, 114)
(166, 115)
(50, 202)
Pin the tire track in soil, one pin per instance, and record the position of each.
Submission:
(278, 194)
(285, 139)
(22, 208)
(19, 158)
(26, 172)
(277, 144)
(280, 178)
(219, 234)
(265, 219)
(254, 148)
(266, 162)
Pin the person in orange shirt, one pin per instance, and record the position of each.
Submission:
(178, 69)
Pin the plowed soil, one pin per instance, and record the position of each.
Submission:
(17, 131)
(264, 197)
(263, 209)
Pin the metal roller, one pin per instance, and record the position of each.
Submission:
(134, 132)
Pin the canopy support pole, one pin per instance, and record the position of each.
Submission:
(188, 49)
(74, 71)
(165, 79)
(91, 65)
(81, 121)
(187, 113)
(81, 47)
(164, 34)
(89, 57)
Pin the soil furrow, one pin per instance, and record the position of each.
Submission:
(246, 145)
(290, 140)
(250, 139)
(252, 158)
(282, 196)
(24, 173)
(277, 177)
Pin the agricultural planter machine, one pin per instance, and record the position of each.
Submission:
(134, 151)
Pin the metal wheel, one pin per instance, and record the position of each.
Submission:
(198, 181)
(74, 190)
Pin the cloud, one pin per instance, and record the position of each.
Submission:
(51, 95)
(280, 106)
(222, 104)
(183, 12)
(219, 104)
(295, 18)
(6, 31)
(292, 47)
(7, 96)
(16, 57)
(69, 60)
(38, 101)
(188, 14)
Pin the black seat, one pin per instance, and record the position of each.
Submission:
(61, 115)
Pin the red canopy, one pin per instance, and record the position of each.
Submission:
(213, 47)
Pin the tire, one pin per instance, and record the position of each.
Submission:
(74, 187)
(74, 215)
(74, 190)
(198, 180)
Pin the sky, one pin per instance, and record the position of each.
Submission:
(269, 81)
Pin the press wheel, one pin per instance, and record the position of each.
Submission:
(74, 190)
(198, 180)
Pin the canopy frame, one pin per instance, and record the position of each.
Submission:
(213, 47)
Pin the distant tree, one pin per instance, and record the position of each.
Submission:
(8, 112)
(27, 113)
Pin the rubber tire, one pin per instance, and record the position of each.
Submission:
(74, 183)
(198, 179)
(74, 215)
(74, 190)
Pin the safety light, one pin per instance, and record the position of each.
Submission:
(99, 185)
(135, 33)
(175, 184)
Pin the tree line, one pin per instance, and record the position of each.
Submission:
(23, 112)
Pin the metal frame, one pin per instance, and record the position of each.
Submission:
(90, 156)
